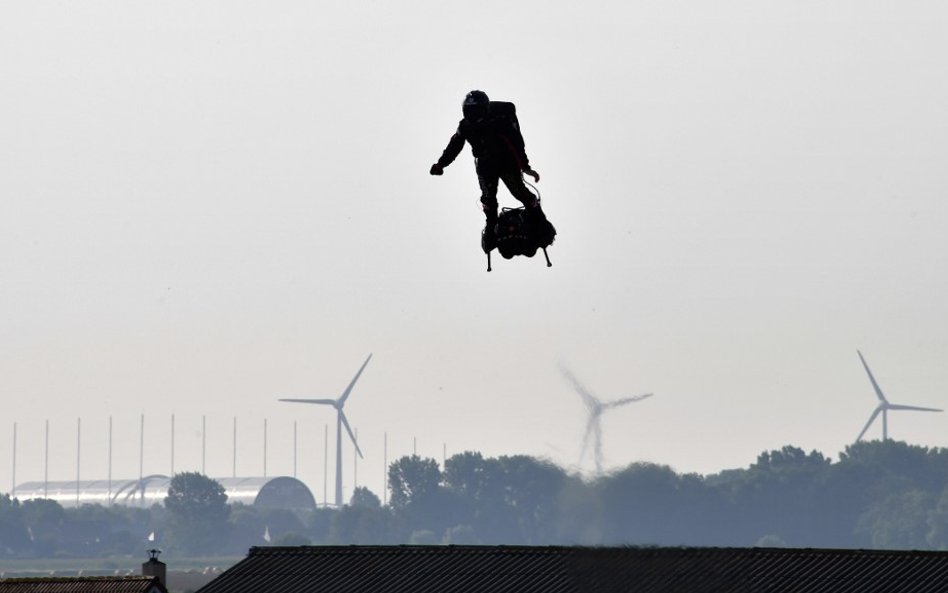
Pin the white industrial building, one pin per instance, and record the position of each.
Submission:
(269, 493)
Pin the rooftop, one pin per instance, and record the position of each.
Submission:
(122, 584)
(527, 569)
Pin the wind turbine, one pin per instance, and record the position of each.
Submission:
(884, 405)
(340, 422)
(596, 407)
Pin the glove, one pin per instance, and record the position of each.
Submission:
(532, 173)
(436, 169)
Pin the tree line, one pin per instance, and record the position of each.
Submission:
(876, 495)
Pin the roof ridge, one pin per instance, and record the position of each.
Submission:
(94, 577)
(507, 548)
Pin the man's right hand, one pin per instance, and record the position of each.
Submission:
(436, 169)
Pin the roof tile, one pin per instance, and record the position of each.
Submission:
(529, 569)
(123, 584)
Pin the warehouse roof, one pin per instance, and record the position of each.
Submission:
(124, 584)
(525, 569)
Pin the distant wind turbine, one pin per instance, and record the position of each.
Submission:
(596, 407)
(340, 422)
(884, 405)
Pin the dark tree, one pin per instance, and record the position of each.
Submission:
(363, 497)
(246, 528)
(937, 535)
(879, 494)
(43, 516)
(14, 537)
(362, 524)
(318, 524)
(532, 489)
(469, 474)
(198, 512)
(779, 495)
(639, 505)
(419, 501)
(413, 480)
(900, 521)
(45, 520)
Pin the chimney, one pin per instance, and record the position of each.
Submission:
(155, 568)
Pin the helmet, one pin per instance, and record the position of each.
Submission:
(475, 105)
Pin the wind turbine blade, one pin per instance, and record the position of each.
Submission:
(626, 400)
(590, 425)
(345, 423)
(915, 408)
(330, 402)
(345, 394)
(866, 427)
(598, 433)
(588, 398)
(871, 379)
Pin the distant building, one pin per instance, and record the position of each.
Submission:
(526, 569)
(269, 493)
(126, 584)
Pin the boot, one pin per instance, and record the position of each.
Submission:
(489, 234)
(541, 229)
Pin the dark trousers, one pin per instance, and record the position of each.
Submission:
(489, 173)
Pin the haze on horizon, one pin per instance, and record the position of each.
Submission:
(206, 207)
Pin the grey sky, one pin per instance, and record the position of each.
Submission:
(205, 206)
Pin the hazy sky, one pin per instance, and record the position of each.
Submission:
(205, 206)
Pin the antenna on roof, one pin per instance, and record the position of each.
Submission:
(14, 461)
(172, 445)
(46, 464)
(141, 461)
(235, 447)
(78, 442)
(203, 445)
(110, 461)
(325, 464)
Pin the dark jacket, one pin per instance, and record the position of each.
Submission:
(496, 138)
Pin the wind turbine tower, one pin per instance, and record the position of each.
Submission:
(596, 408)
(341, 422)
(884, 405)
